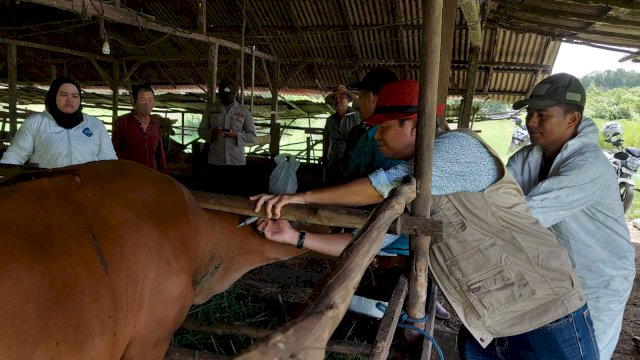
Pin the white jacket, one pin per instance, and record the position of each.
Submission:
(580, 203)
(45, 144)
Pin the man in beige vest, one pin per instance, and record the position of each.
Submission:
(505, 275)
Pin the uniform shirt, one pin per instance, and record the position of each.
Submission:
(336, 130)
(226, 150)
(44, 143)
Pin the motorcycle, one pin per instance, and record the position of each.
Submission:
(520, 136)
(625, 162)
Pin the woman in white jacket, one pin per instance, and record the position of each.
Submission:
(62, 135)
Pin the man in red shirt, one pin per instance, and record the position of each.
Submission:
(137, 136)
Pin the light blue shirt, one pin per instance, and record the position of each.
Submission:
(460, 163)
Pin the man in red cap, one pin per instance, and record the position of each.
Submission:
(504, 274)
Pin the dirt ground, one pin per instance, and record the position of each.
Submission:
(626, 349)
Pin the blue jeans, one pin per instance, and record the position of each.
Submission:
(570, 337)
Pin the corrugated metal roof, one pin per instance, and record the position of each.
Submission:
(325, 42)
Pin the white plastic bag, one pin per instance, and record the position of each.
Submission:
(283, 179)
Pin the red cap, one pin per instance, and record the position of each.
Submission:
(398, 100)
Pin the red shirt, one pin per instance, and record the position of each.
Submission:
(132, 143)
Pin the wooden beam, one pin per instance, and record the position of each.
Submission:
(470, 87)
(623, 4)
(510, 7)
(139, 20)
(306, 336)
(101, 72)
(255, 20)
(319, 215)
(489, 93)
(293, 74)
(56, 49)
(503, 64)
(526, 21)
(266, 74)
(128, 74)
(389, 321)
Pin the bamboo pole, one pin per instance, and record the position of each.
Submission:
(212, 75)
(115, 84)
(426, 128)
(325, 215)
(470, 88)
(306, 337)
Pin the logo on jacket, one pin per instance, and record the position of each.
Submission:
(87, 132)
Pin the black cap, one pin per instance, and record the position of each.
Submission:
(228, 87)
(374, 80)
(558, 89)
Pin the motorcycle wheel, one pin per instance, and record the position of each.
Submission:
(626, 195)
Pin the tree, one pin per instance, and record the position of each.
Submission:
(611, 79)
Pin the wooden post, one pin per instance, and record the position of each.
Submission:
(115, 84)
(244, 25)
(426, 128)
(274, 146)
(449, 9)
(253, 75)
(202, 19)
(54, 73)
(12, 69)
(212, 75)
(470, 88)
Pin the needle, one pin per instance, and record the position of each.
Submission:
(247, 221)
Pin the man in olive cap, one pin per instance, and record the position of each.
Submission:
(570, 187)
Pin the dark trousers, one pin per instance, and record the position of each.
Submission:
(568, 338)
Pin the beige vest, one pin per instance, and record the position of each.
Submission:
(503, 272)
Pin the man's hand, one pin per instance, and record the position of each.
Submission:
(279, 231)
(230, 133)
(216, 132)
(273, 203)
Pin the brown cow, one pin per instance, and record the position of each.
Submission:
(103, 261)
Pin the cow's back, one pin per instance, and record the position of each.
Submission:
(94, 258)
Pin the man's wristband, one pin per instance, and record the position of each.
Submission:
(301, 237)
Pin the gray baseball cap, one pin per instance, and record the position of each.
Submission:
(558, 89)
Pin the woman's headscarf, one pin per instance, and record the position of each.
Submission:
(66, 121)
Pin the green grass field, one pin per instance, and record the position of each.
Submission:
(497, 133)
